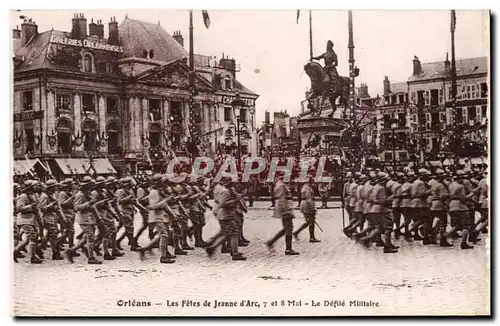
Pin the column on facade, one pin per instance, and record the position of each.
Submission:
(165, 114)
(135, 124)
(101, 109)
(78, 116)
(50, 125)
(144, 125)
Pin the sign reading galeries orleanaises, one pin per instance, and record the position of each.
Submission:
(86, 43)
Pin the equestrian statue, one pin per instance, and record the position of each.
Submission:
(326, 82)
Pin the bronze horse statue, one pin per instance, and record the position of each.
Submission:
(321, 85)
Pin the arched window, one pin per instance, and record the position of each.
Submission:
(227, 82)
(114, 138)
(151, 54)
(155, 135)
(87, 63)
(64, 136)
(90, 131)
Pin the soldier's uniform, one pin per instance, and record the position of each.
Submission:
(125, 199)
(143, 199)
(366, 205)
(284, 211)
(439, 196)
(323, 189)
(397, 210)
(225, 202)
(26, 207)
(419, 194)
(346, 195)
(358, 210)
(459, 212)
(65, 199)
(483, 202)
(405, 204)
(471, 191)
(86, 219)
(157, 218)
(15, 228)
(49, 208)
(308, 208)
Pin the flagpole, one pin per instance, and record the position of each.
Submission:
(453, 68)
(191, 78)
(310, 36)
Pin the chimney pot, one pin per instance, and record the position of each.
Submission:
(387, 85)
(417, 67)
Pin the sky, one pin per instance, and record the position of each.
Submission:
(272, 49)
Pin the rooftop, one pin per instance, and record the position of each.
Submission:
(465, 67)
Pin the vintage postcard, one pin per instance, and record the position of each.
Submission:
(250, 163)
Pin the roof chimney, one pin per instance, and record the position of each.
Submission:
(417, 67)
(28, 29)
(113, 32)
(83, 26)
(387, 85)
(16, 33)
(178, 37)
(93, 28)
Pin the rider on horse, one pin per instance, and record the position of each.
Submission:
(331, 62)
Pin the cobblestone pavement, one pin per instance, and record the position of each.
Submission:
(417, 280)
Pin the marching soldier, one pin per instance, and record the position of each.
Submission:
(197, 213)
(346, 195)
(65, 199)
(125, 199)
(87, 218)
(439, 194)
(459, 212)
(16, 189)
(323, 189)
(366, 206)
(27, 214)
(143, 199)
(48, 205)
(225, 202)
(471, 205)
(157, 217)
(482, 224)
(252, 189)
(397, 210)
(284, 211)
(358, 215)
(308, 208)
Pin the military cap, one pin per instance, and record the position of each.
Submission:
(348, 175)
(111, 180)
(424, 172)
(439, 172)
(86, 181)
(67, 181)
(100, 180)
(51, 183)
(16, 185)
(410, 174)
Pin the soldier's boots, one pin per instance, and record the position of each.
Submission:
(166, 260)
(390, 250)
(314, 240)
(291, 252)
(107, 256)
(464, 245)
(57, 256)
(39, 252)
(36, 260)
(94, 261)
(444, 242)
(117, 253)
(239, 256)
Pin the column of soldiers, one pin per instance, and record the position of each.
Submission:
(172, 210)
(416, 206)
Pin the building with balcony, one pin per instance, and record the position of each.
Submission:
(122, 101)
(281, 135)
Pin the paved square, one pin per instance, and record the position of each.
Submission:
(416, 280)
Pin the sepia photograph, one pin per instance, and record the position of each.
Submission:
(234, 163)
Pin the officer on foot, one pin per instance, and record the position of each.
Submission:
(308, 208)
(48, 205)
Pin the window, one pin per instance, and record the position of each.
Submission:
(484, 90)
(151, 54)
(155, 136)
(114, 139)
(30, 141)
(388, 156)
(441, 96)
(435, 121)
(387, 121)
(154, 109)
(403, 156)
(227, 113)
(87, 63)
(427, 97)
(28, 100)
(386, 100)
(459, 116)
(413, 98)
(243, 115)
(420, 98)
(88, 103)
(434, 144)
(434, 97)
(227, 82)
(394, 100)
(112, 105)
(473, 91)
(471, 113)
(401, 120)
(90, 133)
(401, 99)
(64, 136)
(176, 111)
(63, 102)
(484, 112)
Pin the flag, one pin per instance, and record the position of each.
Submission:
(298, 15)
(206, 18)
(453, 21)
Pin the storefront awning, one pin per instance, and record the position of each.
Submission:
(23, 166)
(80, 166)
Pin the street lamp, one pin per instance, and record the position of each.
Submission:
(237, 104)
(394, 126)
